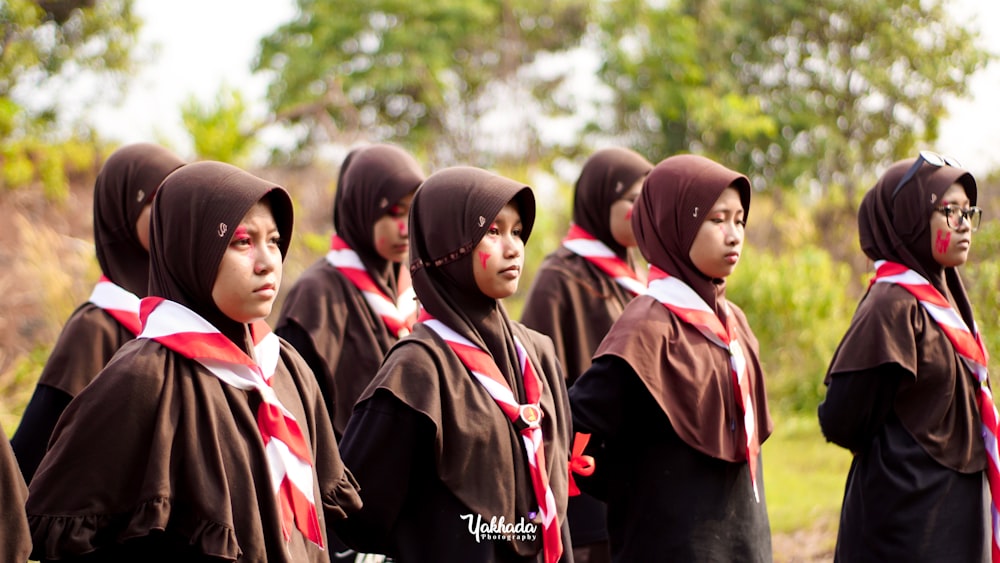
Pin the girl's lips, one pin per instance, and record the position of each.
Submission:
(732, 257)
(512, 272)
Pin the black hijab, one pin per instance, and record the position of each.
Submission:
(373, 179)
(450, 214)
(126, 183)
(606, 176)
(194, 216)
(898, 228)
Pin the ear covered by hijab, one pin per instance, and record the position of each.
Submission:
(676, 196)
(195, 213)
(606, 176)
(451, 212)
(897, 228)
(125, 185)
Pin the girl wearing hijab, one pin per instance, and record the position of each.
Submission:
(206, 438)
(907, 389)
(464, 431)
(123, 195)
(346, 311)
(582, 288)
(675, 400)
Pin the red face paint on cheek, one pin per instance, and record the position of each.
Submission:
(628, 214)
(401, 227)
(483, 257)
(943, 241)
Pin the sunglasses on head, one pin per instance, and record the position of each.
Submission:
(928, 157)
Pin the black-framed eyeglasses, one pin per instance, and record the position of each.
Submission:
(929, 157)
(955, 215)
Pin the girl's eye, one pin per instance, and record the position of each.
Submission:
(516, 232)
(742, 223)
(396, 211)
(276, 240)
(242, 241)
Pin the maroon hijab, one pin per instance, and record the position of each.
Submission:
(675, 197)
(898, 228)
(126, 183)
(194, 215)
(373, 179)
(689, 377)
(441, 253)
(606, 177)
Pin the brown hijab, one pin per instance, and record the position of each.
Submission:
(898, 228)
(127, 182)
(199, 207)
(605, 178)
(688, 376)
(441, 254)
(373, 179)
(681, 190)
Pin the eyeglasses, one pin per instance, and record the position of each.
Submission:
(955, 215)
(932, 158)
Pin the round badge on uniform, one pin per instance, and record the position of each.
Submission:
(530, 415)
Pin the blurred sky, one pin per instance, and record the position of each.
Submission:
(204, 44)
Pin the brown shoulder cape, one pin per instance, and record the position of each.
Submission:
(131, 456)
(695, 388)
(948, 430)
(574, 303)
(345, 333)
(88, 340)
(477, 452)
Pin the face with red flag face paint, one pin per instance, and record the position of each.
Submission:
(499, 256)
(950, 246)
(391, 232)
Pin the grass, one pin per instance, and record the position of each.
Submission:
(804, 476)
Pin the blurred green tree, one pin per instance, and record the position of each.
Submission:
(423, 73)
(44, 46)
(811, 95)
(220, 131)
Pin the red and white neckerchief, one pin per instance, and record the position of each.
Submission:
(288, 454)
(526, 419)
(692, 309)
(398, 316)
(115, 300)
(969, 346)
(584, 244)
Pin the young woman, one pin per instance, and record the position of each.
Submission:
(346, 311)
(206, 438)
(908, 391)
(675, 400)
(582, 288)
(123, 194)
(464, 431)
